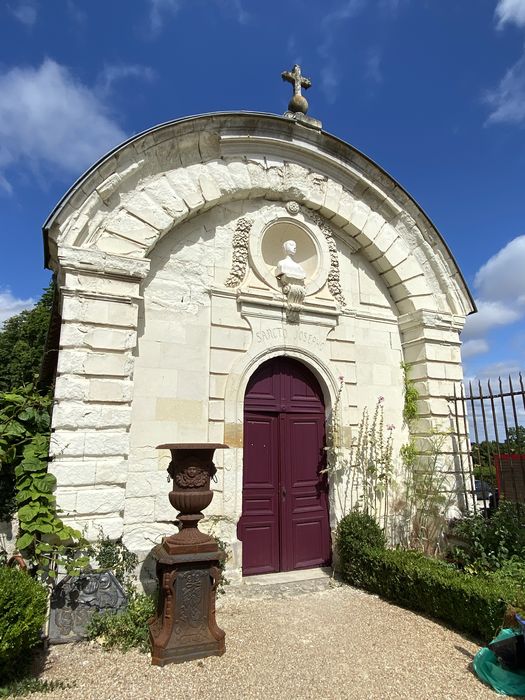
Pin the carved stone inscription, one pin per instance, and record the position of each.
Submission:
(280, 334)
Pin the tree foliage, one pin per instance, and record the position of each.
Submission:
(484, 452)
(22, 342)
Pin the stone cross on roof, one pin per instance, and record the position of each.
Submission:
(298, 103)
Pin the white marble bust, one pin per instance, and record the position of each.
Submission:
(287, 266)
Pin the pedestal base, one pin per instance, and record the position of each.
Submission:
(184, 627)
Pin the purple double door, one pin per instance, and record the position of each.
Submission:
(285, 521)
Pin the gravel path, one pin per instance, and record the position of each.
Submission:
(333, 643)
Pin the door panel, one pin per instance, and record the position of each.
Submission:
(305, 533)
(285, 521)
(258, 527)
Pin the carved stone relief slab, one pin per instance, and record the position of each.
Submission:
(76, 598)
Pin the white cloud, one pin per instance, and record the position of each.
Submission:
(160, 10)
(502, 277)
(24, 11)
(331, 23)
(491, 314)
(76, 14)
(240, 13)
(10, 305)
(496, 370)
(112, 73)
(477, 346)
(500, 284)
(507, 100)
(391, 6)
(511, 11)
(49, 119)
(373, 65)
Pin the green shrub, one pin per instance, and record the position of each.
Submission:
(124, 630)
(357, 533)
(490, 542)
(23, 608)
(474, 604)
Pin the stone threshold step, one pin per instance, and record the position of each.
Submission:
(287, 577)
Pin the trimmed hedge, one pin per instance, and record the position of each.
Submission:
(23, 609)
(474, 604)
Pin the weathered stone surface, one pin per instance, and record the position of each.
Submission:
(76, 598)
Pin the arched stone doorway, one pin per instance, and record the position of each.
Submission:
(285, 521)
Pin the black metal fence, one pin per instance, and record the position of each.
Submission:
(489, 427)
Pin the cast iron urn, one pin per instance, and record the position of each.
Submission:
(188, 564)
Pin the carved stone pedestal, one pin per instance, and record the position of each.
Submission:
(185, 627)
(188, 565)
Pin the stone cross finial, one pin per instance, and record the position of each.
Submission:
(298, 103)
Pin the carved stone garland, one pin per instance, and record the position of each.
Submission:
(334, 282)
(240, 252)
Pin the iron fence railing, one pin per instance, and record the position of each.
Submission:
(489, 427)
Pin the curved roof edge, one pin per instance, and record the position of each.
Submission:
(78, 183)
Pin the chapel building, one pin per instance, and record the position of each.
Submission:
(247, 279)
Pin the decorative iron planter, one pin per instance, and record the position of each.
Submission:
(188, 564)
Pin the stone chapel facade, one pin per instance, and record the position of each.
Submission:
(183, 318)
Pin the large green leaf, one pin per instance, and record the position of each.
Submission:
(44, 547)
(45, 484)
(28, 513)
(24, 541)
(14, 429)
(14, 398)
(33, 464)
(22, 496)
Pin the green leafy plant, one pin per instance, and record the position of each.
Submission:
(113, 555)
(27, 686)
(44, 540)
(411, 395)
(127, 629)
(424, 499)
(23, 608)
(488, 543)
(24, 414)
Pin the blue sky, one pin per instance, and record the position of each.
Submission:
(432, 90)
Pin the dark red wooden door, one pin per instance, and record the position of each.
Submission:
(284, 523)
